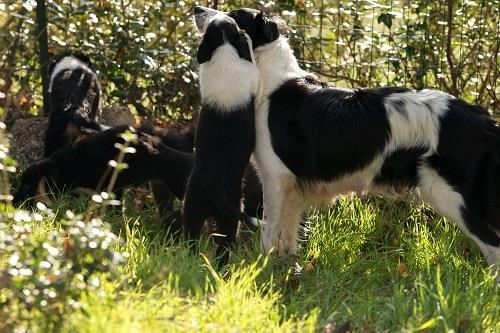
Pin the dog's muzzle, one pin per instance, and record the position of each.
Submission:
(202, 16)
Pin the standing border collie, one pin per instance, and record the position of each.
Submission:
(74, 100)
(225, 136)
(315, 142)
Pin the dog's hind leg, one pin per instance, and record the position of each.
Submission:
(194, 214)
(227, 229)
(451, 204)
(33, 180)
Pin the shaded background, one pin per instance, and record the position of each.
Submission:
(143, 50)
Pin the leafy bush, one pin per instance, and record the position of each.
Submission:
(143, 50)
(46, 276)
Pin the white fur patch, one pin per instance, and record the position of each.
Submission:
(257, 222)
(202, 20)
(441, 195)
(68, 63)
(414, 119)
(270, 165)
(226, 81)
(276, 64)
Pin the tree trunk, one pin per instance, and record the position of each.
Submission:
(41, 18)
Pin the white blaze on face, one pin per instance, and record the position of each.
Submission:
(202, 20)
(67, 63)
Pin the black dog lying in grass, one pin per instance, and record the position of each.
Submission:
(74, 99)
(85, 165)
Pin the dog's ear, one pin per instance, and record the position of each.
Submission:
(266, 29)
(243, 47)
(205, 51)
(212, 39)
(83, 58)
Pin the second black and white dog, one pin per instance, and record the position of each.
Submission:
(74, 100)
(225, 136)
(315, 142)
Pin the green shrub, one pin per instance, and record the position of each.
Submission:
(44, 277)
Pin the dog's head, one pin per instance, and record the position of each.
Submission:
(77, 56)
(229, 77)
(220, 30)
(69, 61)
(262, 27)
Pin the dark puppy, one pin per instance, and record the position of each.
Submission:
(225, 136)
(180, 138)
(74, 100)
(85, 165)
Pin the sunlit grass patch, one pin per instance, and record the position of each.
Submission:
(223, 304)
(369, 264)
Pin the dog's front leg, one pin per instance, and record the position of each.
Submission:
(273, 200)
(279, 194)
(291, 211)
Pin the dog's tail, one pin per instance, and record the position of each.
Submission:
(179, 167)
(84, 123)
(224, 206)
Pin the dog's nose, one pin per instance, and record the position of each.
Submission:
(198, 10)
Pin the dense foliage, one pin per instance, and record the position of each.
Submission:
(144, 49)
(369, 264)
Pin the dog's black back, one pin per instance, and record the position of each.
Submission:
(215, 184)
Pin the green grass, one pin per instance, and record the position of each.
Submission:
(370, 264)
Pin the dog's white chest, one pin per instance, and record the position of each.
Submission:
(269, 164)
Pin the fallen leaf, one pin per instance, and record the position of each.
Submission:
(463, 324)
(401, 269)
(367, 328)
(311, 264)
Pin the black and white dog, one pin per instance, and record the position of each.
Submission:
(315, 142)
(225, 136)
(74, 100)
